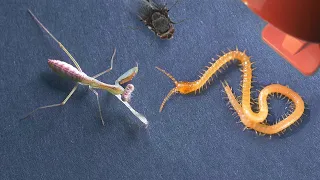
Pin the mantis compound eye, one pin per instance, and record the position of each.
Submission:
(126, 95)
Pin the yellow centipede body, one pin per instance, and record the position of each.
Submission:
(250, 119)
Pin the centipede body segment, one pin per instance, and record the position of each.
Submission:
(253, 120)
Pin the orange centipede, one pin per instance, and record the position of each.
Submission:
(252, 120)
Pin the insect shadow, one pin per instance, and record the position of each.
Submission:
(54, 81)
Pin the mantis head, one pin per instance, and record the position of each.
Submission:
(124, 78)
(126, 94)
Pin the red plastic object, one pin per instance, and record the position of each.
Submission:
(293, 30)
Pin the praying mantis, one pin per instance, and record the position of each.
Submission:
(76, 74)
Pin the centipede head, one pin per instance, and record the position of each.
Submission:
(182, 87)
(173, 91)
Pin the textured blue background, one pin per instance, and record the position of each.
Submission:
(195, 137)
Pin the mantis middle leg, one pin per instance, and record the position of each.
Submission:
(111, 62)
(97, 95)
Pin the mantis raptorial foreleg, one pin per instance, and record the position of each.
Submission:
(108, 70)
(97, 95)
(55, 105)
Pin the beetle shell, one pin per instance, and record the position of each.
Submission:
(155, 16)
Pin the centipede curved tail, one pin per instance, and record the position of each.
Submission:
(253, 120)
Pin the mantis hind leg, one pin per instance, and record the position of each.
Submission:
(97, 95)
(55, 105)
(111, 65)
(56, 40)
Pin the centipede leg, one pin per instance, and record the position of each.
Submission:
(55, 105)
(97, 95)
(111, 65)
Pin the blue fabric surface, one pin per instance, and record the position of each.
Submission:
(195, 137)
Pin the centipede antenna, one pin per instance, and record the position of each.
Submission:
(167, 98)
(169, 75)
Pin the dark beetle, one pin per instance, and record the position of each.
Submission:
(156, 17)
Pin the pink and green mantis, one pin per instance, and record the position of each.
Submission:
(76, 74)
